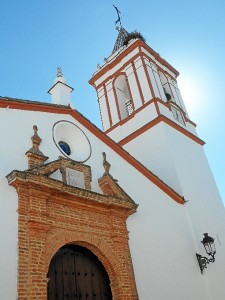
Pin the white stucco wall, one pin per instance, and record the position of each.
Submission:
(171, 233)
(164, 235)
(103, 110)
(8, 235)
(143, 117)
(152, 150)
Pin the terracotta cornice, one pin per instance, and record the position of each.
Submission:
(137, 111)
(56, 187)
(137, 44)
(160, 118)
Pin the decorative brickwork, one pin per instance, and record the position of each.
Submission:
(62, 164)
(35, 159)
(110, 187)
(106, 164)
(35, 156)
(52, 214)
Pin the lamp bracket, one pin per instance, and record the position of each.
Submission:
(204, 261)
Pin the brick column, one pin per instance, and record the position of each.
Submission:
(33, 229)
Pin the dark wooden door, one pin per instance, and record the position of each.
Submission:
(76, 273)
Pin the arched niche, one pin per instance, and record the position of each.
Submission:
(123, 96)
(165, 85)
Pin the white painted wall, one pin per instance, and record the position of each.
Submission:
(164, 235)
(168, 252)
(103, 110)
(139, 120)
(144, 117)
(163, 242)
(168, 113)
(8, 235)
(112, 103)
(152, 149)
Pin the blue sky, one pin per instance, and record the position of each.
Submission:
(37, 36)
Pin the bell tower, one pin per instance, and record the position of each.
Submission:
(142, 108)
(135, 81)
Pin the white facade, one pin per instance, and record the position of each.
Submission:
(163, 234)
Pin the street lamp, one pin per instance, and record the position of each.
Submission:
(210, 249)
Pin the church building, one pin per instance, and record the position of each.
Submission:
(130, 212)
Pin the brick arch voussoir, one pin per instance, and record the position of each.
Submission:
(96, 244)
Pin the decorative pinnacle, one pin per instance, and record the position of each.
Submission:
(36, 140)
(106, 164)
(59, 72)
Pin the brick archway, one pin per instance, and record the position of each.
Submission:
(98, 246)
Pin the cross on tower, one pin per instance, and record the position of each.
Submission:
(119, 16)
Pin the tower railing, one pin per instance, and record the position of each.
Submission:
(129, 107)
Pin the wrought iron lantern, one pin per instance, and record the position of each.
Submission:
(210, 249)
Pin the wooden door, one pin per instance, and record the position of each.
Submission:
(76, 273)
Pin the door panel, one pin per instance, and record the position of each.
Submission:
(76, 274)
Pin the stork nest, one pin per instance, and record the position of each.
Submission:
(131, 36)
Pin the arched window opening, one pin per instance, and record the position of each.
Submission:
(123, 97)
(76, 273)
(177, 113)
(176, 93)
(166, 87)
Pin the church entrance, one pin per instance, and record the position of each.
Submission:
(76, 273)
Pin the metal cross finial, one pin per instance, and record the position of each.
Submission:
(119, 16)
(59, 72)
